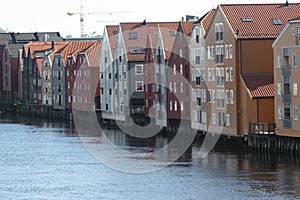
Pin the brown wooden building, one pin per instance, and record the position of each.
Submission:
(239, 64)
(286, 79)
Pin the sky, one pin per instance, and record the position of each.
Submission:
(51, 15)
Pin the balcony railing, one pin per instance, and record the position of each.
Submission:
(262, 128)
(286, 70)
(287, 123)
(287, 98)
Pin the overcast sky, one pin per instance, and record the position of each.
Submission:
(50, 15)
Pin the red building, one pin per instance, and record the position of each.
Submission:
(87, 91)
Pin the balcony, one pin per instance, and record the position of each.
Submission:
(262, 128)
(287, 123)
(287, 98)
(286, 70)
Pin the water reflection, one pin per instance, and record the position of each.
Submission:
(45, 159)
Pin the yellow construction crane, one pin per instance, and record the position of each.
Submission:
(81, 13)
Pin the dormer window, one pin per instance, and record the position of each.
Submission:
(247, 19)
(173, 33)
(276, 21)
(133, 35)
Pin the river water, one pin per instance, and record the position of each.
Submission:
(45, 160)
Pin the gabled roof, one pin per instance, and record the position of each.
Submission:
(187, 27)
(142, 33)
(73, 48)
(260, 85)
(33, 47)
(25, 37)
(112, 37)
(93, 54)
(261, 15)
(207, 19)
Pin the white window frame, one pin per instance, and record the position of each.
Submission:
(295, 89)
(139, 69)
(296, 113)
(279, 88)
(137, 86)
(279, 112)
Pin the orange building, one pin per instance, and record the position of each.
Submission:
(286, 79)
(238, 71)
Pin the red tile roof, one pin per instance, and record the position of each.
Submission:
(262, 15)
(143, 31)
(260, 85)
(93, 54)
(42, 46)
(207, 19)
(73, 48)
(187, 27)
(111, 32)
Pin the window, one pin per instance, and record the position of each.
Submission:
(295, 113)
(279, 88)
(133, 35)
(221, 119)
(293, 30)
(180, 53)
(226, 52)
(231, 74)
(174, 69)
(209, 74)
(278, 61)
(227, 96)
(295, 89)
(197, 55)
(231, 97)
(181, 87)
(198, 77)
(276, 21)
(220, 76)
(220, 54)
(227, 74)
(208, 53)
(181, 69)
(212, 53)
(219, 29)
(181, 106)
(139, 69)
(247, 19)
(173, 33)
(230, 51)
(171, 106)
(220, 99)
(214, 119)
(139, 86)
(227, 119)
(279, 112)
(69, 99)
(193, 74)
(170, 88)
(213, 74)
(294, 60)
(175, 106)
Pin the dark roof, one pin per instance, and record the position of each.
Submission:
(112, 37)
(262, 15)
(13, 49)
(260, 85)
(5, 37)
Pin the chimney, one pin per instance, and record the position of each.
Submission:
(52, 44)
(182, 19)
(287, 4)
(144, 22)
